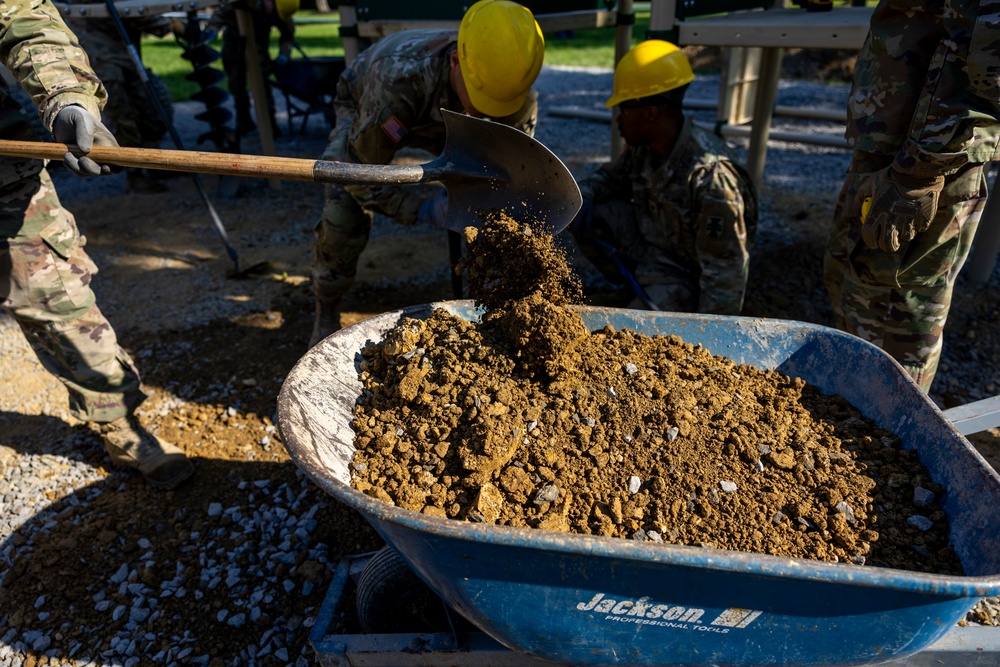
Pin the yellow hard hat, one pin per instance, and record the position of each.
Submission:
(651, 68)
(500, 51)
(286, 8)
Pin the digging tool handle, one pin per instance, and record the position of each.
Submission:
(235, 164)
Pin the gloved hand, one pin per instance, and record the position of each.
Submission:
(902, 206)
(433, 211)
(80, 129)
(582, 222)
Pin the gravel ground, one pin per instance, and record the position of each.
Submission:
(97, 569)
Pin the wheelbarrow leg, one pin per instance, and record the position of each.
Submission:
(258, 88)
(975, 417)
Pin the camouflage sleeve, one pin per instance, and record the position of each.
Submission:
(957, 119)
(609, 181)
(381, 121)
(722, 241)
(925, 87)
(45, 57)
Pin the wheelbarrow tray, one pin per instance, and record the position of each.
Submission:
(588, 600)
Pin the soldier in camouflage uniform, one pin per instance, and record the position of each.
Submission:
(129, 113)
(45, 273)
(923, 118)
(391, 97)
(673, 217)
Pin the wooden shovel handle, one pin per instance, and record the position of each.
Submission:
(237, 164)
(224, 164)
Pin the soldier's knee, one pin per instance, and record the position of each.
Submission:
(341, 221)
(51, 275)
(341, 235)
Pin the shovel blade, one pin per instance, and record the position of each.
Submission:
(489, 166)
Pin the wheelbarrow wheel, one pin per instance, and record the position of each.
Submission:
(391, 598)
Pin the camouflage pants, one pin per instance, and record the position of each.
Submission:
(342, 232)
(45, 279)
(900, 301)
(666, 284)
(339, 239)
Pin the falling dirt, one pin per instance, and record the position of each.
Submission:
(528, 419)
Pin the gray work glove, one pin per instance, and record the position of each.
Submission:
(902, 206)
(81, 130)
(434, 211)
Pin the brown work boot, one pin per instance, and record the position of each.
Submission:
(130, 445)
(327, 321)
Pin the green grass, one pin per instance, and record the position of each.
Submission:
(587, 48)
(163, 55)
(594, 47)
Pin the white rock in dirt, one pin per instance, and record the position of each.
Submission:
(634, 484)
(847, 511)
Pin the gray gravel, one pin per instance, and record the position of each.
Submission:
(66, 463)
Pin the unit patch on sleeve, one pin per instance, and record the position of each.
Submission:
(714, 227)
(394, 129)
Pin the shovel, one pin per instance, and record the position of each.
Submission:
(485, 166)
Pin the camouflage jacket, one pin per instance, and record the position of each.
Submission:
(926, 88)
(391, 98)
(696, 212)
(47, 61)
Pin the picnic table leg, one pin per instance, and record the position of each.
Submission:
(255, 75)
(623, 42)
(767, 90)
(349, 32)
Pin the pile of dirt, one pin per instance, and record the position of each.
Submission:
(528, 419)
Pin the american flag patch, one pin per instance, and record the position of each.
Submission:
(394, 130)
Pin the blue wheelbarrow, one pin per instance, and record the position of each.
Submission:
(585, 600)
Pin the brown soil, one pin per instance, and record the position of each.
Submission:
(528, 419)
